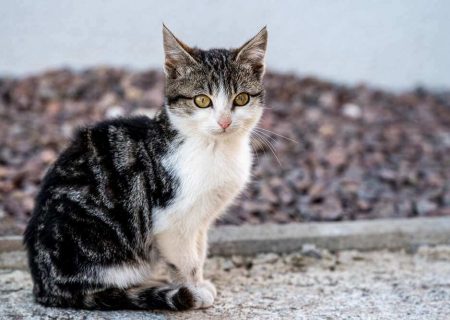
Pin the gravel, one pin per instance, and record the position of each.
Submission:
(342, 153)
(312, 284)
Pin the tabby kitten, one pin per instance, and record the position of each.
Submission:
(131, 192)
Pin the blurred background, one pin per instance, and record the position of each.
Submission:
(394, 44)
(358, 96)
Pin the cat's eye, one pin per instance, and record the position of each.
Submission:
(202, 101)
(241, 99)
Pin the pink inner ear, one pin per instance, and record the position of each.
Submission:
(255, 48)
(255, 54)
(178, 55)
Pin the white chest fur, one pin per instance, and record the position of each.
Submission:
(210, 176)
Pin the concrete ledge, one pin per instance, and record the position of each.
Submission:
(11, 243)
(359, 235)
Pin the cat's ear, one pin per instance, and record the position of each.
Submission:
(178, 55)
(254, 51)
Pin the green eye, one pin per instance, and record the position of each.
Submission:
(241, 99)
(202, 101)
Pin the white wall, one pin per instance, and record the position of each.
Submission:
(396, 44)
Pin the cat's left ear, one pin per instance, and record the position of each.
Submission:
(178, 55)
(254, 51)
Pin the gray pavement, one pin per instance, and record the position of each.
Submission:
(309, 284)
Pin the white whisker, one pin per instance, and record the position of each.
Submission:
(268, 144)
(254, 151)
(277, 134)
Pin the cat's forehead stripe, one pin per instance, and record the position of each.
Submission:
(218, 62)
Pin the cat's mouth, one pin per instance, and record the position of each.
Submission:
(221, 132)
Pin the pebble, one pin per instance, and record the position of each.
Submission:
(425, 206)
(310, 250)
(114, 112)
(352, 111)
(265, 258)
(337, 157)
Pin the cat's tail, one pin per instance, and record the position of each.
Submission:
(168, 297)
(164, 297)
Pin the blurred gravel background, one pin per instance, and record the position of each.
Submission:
(341, 153)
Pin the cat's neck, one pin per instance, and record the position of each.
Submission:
(162, 117)
(233, 144)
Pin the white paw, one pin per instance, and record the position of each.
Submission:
(204, 298)
(209, 285)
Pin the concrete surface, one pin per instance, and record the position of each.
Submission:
(311, 284)
(11, 243)
(395, 44)
(361, 235)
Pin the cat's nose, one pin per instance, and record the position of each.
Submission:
(224, 122)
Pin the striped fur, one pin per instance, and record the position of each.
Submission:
(133, 192)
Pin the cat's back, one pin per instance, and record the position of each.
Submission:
(102, 170)
(109, 147)
(117, 131)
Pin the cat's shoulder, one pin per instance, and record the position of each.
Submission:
(134, 127)
(135, 123)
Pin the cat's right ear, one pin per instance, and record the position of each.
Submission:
(178, 55)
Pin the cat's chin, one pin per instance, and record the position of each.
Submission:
(219, 134)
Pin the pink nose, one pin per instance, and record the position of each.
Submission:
(224, 123)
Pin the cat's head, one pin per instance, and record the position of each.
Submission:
(215, 93)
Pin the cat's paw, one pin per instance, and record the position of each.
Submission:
(203, 297)
(209, 285)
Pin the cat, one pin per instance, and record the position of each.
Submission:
(130, 193)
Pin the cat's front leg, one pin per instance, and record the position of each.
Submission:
(202, 249)
(181, 252)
